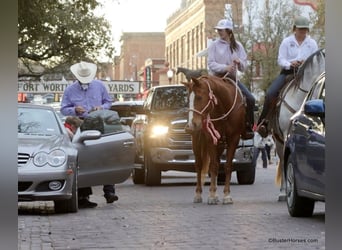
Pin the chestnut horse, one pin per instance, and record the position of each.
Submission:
(216, 117)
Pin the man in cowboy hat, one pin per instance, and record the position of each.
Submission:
(83, 96)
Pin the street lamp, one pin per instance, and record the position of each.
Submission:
(169, 75)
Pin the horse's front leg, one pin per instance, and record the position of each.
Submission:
(202, 165)
(199, 184)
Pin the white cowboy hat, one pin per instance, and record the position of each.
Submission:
(84, 72)
(224, 24)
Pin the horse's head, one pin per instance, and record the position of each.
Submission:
(179, 70)
(201, 100)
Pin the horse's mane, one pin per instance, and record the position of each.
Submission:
(310, 65)
(191, 73)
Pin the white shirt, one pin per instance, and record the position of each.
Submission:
(290, 50)
(259, 141)
(220, 56)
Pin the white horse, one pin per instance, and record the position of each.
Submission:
(291, 98)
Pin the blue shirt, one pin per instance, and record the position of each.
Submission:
(96, 95)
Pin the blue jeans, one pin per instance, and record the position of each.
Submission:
(263, 156)
(250, 103)
(271, 94)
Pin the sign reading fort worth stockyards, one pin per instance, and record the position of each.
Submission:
(113, 87)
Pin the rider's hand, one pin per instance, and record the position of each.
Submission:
(296, 64)
(236, 61)
(231, 68)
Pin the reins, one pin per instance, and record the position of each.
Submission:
(213, 100)
(235, 98)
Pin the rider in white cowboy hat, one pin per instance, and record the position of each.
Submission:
(80, 98)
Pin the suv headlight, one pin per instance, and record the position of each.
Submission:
(55, 158)
(158, 131)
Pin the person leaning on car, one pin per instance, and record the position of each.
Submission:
(80, 98)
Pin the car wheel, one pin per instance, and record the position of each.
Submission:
(70, 205)
(246, 177)
(297, 206)
(138, 176)
(152, 173)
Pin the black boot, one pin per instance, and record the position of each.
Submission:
(249, 133)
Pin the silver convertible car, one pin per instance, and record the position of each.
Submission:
(52, 167)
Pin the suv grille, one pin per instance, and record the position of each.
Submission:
(178, 138)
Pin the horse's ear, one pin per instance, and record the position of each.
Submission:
(187, 84)
(194, 80)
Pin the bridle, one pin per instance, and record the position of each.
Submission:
(213, 101)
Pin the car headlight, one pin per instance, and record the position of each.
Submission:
(159, 130)
(55, 158)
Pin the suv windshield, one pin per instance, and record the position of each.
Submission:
(170, 98)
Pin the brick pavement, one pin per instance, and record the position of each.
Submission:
(164, 217)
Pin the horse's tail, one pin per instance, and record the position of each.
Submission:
(278, 177)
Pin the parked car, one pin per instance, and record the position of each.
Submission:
(127, 110)
(162, 143)
(52, 167)
(304, 153)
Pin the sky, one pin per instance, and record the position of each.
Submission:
(138, 15)
(141, 15)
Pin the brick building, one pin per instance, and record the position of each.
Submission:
(190, 27)
(136, 48)
(147, 56)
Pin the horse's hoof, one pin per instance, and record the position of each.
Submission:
(198, 200)
(227, 200)
(213, 200)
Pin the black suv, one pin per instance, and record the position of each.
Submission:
(162, 143)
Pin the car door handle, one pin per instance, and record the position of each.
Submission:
(128, 143)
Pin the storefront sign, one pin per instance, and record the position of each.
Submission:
(113, 87)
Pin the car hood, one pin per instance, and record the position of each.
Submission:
(170, 114)
(34, 143)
